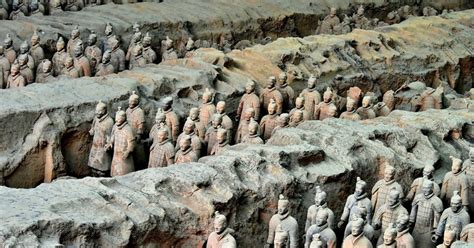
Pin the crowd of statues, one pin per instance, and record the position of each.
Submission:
(428, 216)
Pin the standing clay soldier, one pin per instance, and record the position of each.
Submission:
(404, 238)
(322, 228)
(455, 216)
(69, 69)
(185, 153)
(469, 171)
(252, 137)
(249, 100)
(136, 116)
(5, 67)
(425, 213)
(388, 212)
(288, 224)
(99, 159)
(105, 68)
(416, 186)
(226, 121)
(162, 150)
(207, 108)
(211, 133)
(200, 127)
(81, 62)
(25, 70)
(350, 113)
(171, 117)
(137, 59)
(271, 92)
(329, 22)
(73, 41)
(360, 211)
(296, 118)
(467, 233)
(352, 202)
(9, 51)
(160, 123)
(196, 143)
(311, 97)
(93, 52)
(455, 180)
(15, 79)
(389, 238)
(320, 205)
(168, 50)
(222, 235)
(222, 142)
(243, 128)
(286, 91)
(449, 237)
(322, 110)
(357, 238)
(46, 76)
(36, 50)
(365, 111)
(117, 55)
(299, 105)
(24, 49)
(281, 237)
(360, 21)
(269, 121)
(135, 42)
(59, 58)
(382, 187)
(148, 53)
(123, 143)
(109, 35)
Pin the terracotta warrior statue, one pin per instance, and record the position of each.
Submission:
(365, 111)
(269, 121)
(105, 68)
(389, 238)
(351, 113)
(382, 187)
(329, 22)
(271, 92)
(288, 224)
(211, 133)
(136, 116)
(388, 212)
(322, 228)
(117, 55)
(320, 204)
(360, 211)
(69, 70)
(286, 91)
(25, 70)
(283, 121)
(81, 62)
(25, 49)
(449, 237)
(455, 180)
(5, 67)
(136, 58)
(136, 41)
(9, 51)
(162, 150)
(296, 118)
(196, 142)
(207, 108)
(73, 41)
(59, 58)
(185, 153)
(360, 21)
(359, 197)
(249, 100)
(469, 170)
(36, 50)
(456, 216)
(311, 96)
(425, 213)
(243, 128)
(200, 127)
(93, 52)
(160, 123)
(226, 121)
(15, 79)
(299, 105)
(416, 186)
(252, 137)
(281, 237)
(123, 143)
(148, 53)
(357, 238)
(99, 159)
(222, 235)
(467, 233)
(109, 35)
(381, 109)
(46, 75)
(404, 238)
(222, 142)
(172, 119)
(168, 51)
(322, 110)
